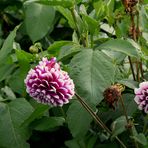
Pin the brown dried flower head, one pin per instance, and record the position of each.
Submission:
(113, 94)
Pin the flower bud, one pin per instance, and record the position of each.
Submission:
(33, 49)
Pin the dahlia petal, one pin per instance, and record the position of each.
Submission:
(137, 91)
(48, 84)
(146, 109)
(144, 85)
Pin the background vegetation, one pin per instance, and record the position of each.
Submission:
(100, 43)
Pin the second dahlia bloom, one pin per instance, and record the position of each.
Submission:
(48, 84)
(141, 97)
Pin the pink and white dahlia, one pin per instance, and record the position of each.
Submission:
(48, 84)
(141, 97)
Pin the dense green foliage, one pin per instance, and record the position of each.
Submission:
(94, 41)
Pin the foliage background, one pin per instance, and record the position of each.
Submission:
(92, 40)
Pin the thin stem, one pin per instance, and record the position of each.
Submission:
(141, 70)
(96, 118)
(129, 123)
(124, 110)
(134, 141)
(138, 70)
(91, 37)
(132, 69)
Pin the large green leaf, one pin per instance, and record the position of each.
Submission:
(11, 117)
(63, 3)
(119, 126)
(6, 68)
(16, 81)
(92, 72)
(37, 113)
(78, 120)
(121, 46)
(47, 123)
(39, 19)
(8, 45)
(67, 14)
(140, 138)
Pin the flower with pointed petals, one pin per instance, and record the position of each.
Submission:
(48, 84)
(141, 97)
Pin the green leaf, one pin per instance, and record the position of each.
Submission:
(39, 20)
(110, 114)
(57, 45)
(76, 143)
(78, 120)
(16, 81)
(110, 9)
(92, 73)
(12, 116)
(140, 138)
(72, 144)
(120, 46)
(119, 126)
(6, 68)
(129, 83)
(63, 3)
(9, 93)
(92, 23)
(68, 51)
(38, 112)
(67, 14)
(47, 123)
(24, 57)
(8, 45)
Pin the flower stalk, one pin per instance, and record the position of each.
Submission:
(96, 118)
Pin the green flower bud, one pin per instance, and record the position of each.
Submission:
(33, 49)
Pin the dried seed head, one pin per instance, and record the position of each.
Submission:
(113, 94)
(129, 4)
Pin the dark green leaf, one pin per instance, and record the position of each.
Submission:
(140, 138)
(67, 14)
(68, 51)
(8, 45)
(6, 68)
(39, 19)
(12, 116)
(38, 112)
(119, 126)
(92, 73)
(92, 23)
(63, 3)
(121, 46)
(47, 123)
(78, 120)
(9, 93)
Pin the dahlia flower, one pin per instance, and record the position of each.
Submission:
(48, 84)
(141, 97)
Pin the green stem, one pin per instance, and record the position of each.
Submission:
(77, 28)
(91, 37)
(129, 123)
(96, 118)
(124, 110)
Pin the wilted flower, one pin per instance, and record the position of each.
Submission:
(48, 84)
(113, 94)
(141, 97)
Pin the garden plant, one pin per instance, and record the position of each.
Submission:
(73, 73)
